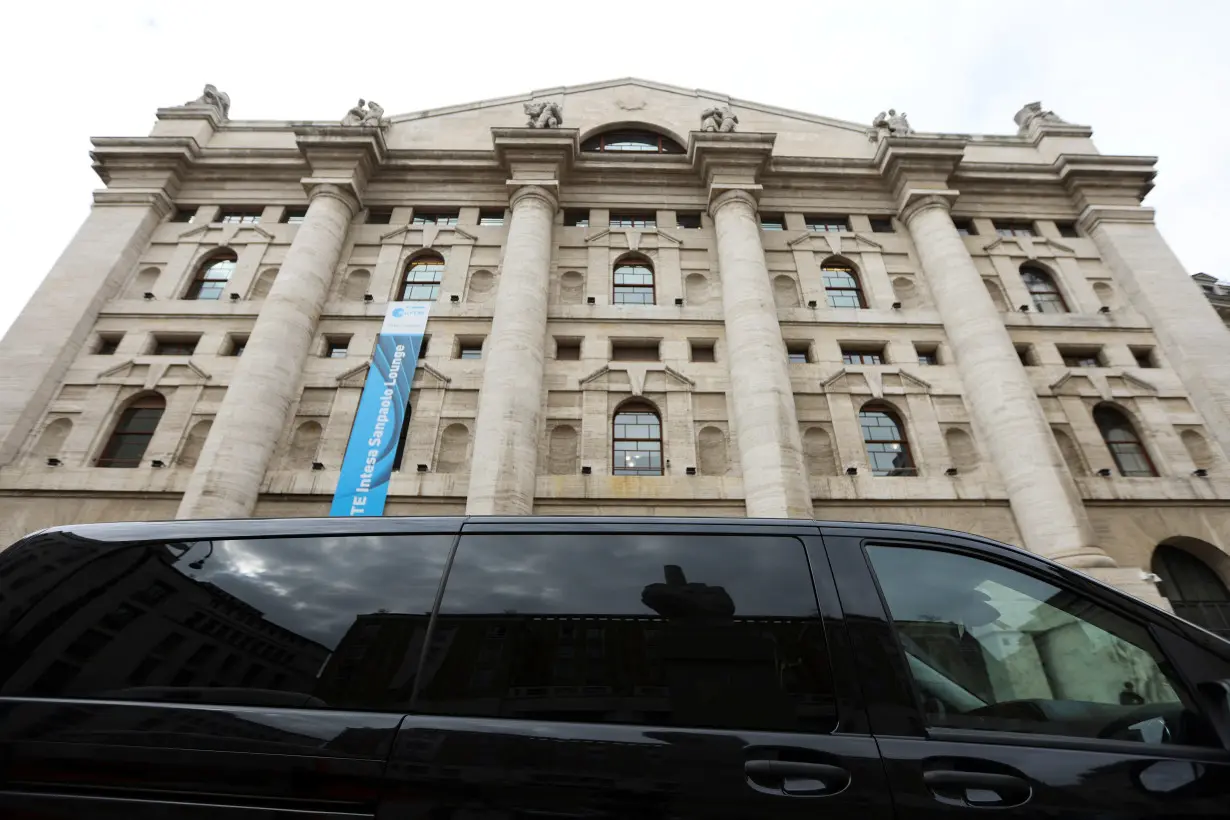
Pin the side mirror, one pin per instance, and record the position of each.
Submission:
(1216, 696)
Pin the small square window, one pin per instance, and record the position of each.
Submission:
(470, 349)
(630, 219)
(688, 219)
(1081, 357)
(568, 350)
(862, 355)
(1144, 357)
(423, 347)
(379, 216)
(882, 224)
(294, 216)
(184, 213)
(927, 354)
(827, 224)
(175, 347)
(491, 218)
(703, 350)
(1025, 354)
(965, 227)
(239, 216)
(1067, 230)
(237, 345)
(576, 217)
(108, 343)
(772, 222)
(1005, 227)
(425, 217)
(635, 350)
(336, 347)
(798, 352)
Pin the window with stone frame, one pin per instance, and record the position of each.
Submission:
(133, 430)
(842, 289)
(636, 440)
(421, 282)
(633, 281)
(424, 216)
(1043, 290)
(212, 276)
(888, 449)
(239, 216)
(1124, 443)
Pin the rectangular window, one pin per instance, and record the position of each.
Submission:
(882, 224)
(185, 214)
(1144, 356)
(568, 350)
(861, 354)
(470, 349)
(1005, 227)
(634, 350)
(491, 218)
(294, 216)
(798, 352)
(965, 227)
(236, 345)
(108, 343)
(336, 347)
(633, 219)
(379, 216)
(175, 346)
(927, 354)
(772, 222)
(688, 219)
(981, 640)
(423, 347)
(703, 350)
(827, 224)
(1025, 354)
(576, 217)
(1067, 230)
(426, 217)
(1081, 356)
(239, 216)
(765, 669)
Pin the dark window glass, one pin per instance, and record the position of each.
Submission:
(266, 607)
(827, 224)
(576, 217)
(1067, 230)
(379, 216)
(861, 356)
(645, 219)
(133, 431)
(882, 225)
(174, 347)
(184, 213)
(238, 345)
(423, 276)
(772, 222)
(107, 345)
(423, 217)
(1023, 353)
(841, 287)
(492, 218)
(633, 282)
(294, 216)
(1144, 357)
(211, 277)
(470, 350)
(927, 355)
(636, 440)
(965, 227)
(888, 451)
(1124, 444)
(686, 219)
(1042, 288)
(568, 349)
(707, 631)
(991, 648)
(636, 142)
(1008, 228)
(1081, 359)
(703, 351)
(798, 352)
(239, 216)
(336, 347)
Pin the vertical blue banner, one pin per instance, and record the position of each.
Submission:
(363, 484)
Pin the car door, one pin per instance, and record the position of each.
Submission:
(232, 677)
(633, 670)
(1023, 688)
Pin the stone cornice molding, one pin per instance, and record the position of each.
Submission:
(156, 199)
(731, 196)
(536, 155)
(340, 158)
(733, 159)
(1094, 215)
(144, 158)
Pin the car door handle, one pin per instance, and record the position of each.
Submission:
(978, 789)
(797, 778)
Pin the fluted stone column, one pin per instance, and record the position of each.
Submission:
(767, 428)
(1196, 343)
(1006, 413)
(253, 414)
(505, 461)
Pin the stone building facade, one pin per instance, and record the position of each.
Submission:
(647, 300)
(1217, 292)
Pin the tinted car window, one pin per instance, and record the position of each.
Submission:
(256, 621)
(993, 648)
(676, 630)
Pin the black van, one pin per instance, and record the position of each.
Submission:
(645, 669)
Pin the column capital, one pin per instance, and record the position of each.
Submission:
(913, 200)
(720, 197)
(344, 193)
(1094, 215)
(544, 192)
(533, 156)
(343, 156)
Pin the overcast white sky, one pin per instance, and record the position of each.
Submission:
(1151, 78)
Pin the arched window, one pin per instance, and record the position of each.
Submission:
(631, 141)
(841, 287)
(637, 440)
(1043, 290)
(422, 281)
(132, 433)
(888, 451)
(633, 281)
(212, 276)
(1124, 444)
(1193, 588)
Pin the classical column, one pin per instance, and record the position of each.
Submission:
(767, 428)
(505, 461)
(1191, 334)
(50, 332)
(1005, 410)
(253, 414)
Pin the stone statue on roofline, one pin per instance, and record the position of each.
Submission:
(368, 113)
(211, 97)
(1033, 112)
(889, 124)
(544, 115)
(718, 118)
